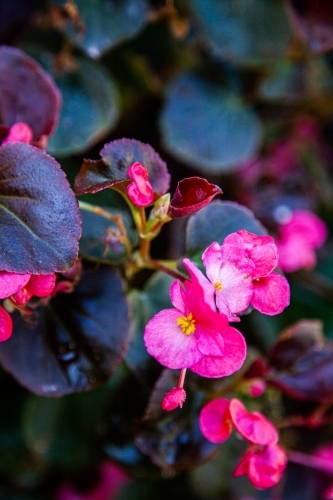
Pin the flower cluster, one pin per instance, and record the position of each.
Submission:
(264, 461)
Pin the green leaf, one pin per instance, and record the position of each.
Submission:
(75, 342)
(208, 127)
(39, 217)
(90, 108)
(107, 23)
(249, 31)
(215, 222)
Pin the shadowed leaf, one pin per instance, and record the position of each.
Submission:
(73, 344)
(39, 216)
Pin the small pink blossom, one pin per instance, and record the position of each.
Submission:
(215, 420)
(254, 427)
(41, 285)
(232, 286)
(19, 132)
(140, 191)
(299, 236)
(193, 334)
(175, 397)
(264, 466)
(6, 325)
(11, 283)
(242, 273)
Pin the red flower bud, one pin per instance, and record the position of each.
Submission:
(173, 398)
(192, 194)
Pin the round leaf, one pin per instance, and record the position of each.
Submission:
(251, 31)
(107, 23)
(216, 221)
(39, 106)
(208, 127)
(73, 344)
(39, 216)
(117, 156)
(89, 111)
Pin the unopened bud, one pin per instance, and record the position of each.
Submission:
(174, 398)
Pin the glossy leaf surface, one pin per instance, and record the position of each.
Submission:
(40, 106)
(74, 343)
(208, 127)
(107, 23)
(216, 221)
(90, 108)
(250, 31)
(301, 362)
(117, 157)
(39, 217)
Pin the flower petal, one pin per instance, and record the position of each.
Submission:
(11, 283)
(254, 427)
(215, 422)
(271, 294)
(166, 342)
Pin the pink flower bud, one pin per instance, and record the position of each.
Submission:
(256, 388)
(41, 285)
(139, 191)
(6, 326)
(11, 283)
(174, 398)
(22, 296)
(19, 132)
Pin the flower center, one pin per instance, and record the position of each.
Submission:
(218, 286)
(187, 324)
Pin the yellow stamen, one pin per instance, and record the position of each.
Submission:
(187, 324)
(218, 286)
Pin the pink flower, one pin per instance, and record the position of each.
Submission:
(6, 325)
(232, 286)
(193, 334)
(241, 273)
(299, 236)
(258, 255)
(19, 132)
(175, 397)
(39, 285)
(11, 283)
(217, 417)
(215, 420)
(252, 426)
(140, 191)
(264, 466)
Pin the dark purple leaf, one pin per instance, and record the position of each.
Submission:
(301, 362)
(76, 342)
(313, 19)
(117, 157)
(192, 194)
(27, 93)
(39, 217)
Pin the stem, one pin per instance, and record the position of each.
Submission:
(181, 378)
(117, 219)
(158, 265)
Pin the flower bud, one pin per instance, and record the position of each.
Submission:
(174, 398)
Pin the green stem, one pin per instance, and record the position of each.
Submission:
(117, 219)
